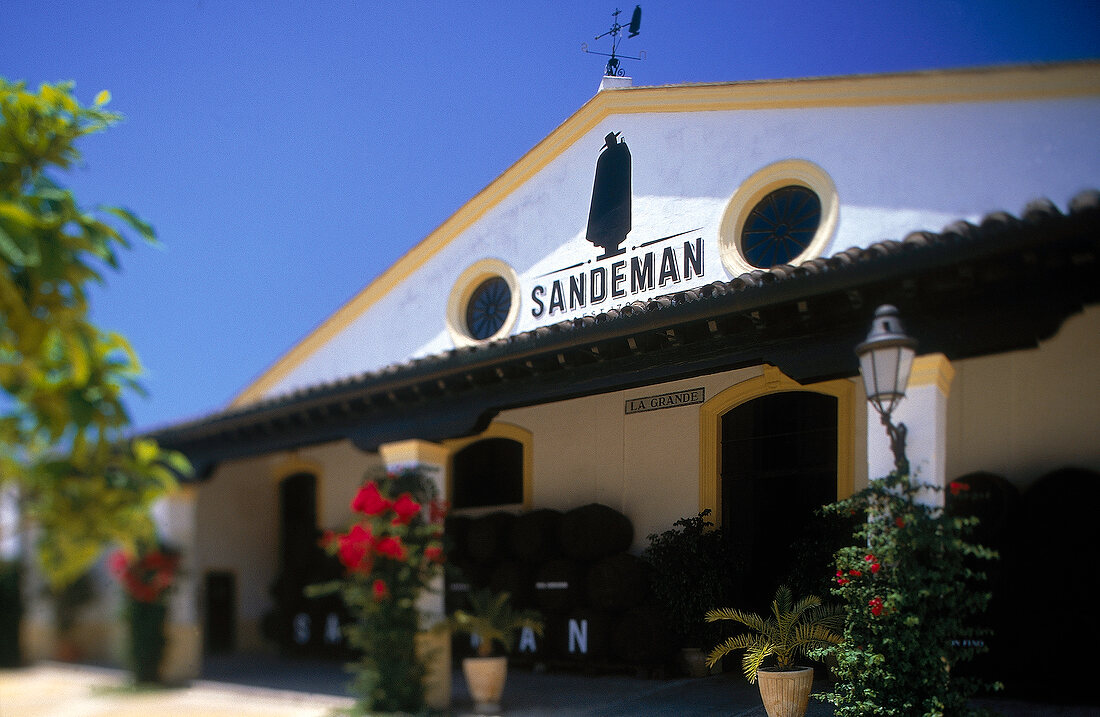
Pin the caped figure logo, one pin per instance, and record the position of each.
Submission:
(609, 215)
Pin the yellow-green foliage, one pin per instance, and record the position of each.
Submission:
(62, 412)
(492, 619)
(790, 631)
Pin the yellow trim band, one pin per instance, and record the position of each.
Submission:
(415, 452)
(497, 430)
(932, 369)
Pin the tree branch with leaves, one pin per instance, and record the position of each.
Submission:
(64, 380)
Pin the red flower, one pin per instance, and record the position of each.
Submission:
(842, 581)
(874, 567)
(957, 487)
(147, 577)
(406, 508)
(369, 500)
(900, 522)
(391, 547)
(869, 558)
(434, 553)
(855, 573)
(380, 590)
(355, 549)
(117, 563)
(876, 606)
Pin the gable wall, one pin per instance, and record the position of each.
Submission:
(896, 169)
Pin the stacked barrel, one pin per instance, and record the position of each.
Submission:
(574, 568)
(1046, 536)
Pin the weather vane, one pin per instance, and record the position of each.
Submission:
(613, 69)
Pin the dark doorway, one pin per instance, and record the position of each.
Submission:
(298, 524)
(779, 462)
(221, 611)
(488, 472)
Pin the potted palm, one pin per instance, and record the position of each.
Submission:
(492, 623)
(788, 633)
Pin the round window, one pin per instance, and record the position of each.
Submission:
(784, 213)
(484, 303)
(781, 226)
(488, 308)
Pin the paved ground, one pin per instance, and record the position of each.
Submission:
(262, 686)
(60, 690)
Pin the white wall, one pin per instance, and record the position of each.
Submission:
(897, 168)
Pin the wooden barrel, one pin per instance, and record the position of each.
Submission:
(582, 635)
(594, 531)
(989, 497)
(534, 536)
(529, 648)
(641, 637)
(617, 582)
(455, 528)
(559, 586)
(587, 635)
(514, 578)
(461, 579)
(1057, 563)
(486, 537)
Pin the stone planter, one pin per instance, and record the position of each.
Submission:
(485, 679)
(785, 693)
(693, 662)
(147, 639)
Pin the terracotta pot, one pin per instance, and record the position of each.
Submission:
(786, 693)
(485, 680)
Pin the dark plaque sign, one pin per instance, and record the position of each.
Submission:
(675, 399)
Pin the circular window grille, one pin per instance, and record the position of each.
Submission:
(781, 226)
(488, 308)
(784, 213)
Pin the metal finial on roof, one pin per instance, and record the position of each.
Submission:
(633, 28)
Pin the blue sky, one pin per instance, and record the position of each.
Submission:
(287, 152)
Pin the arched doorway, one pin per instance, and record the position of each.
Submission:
(779, 464)
(488, 472)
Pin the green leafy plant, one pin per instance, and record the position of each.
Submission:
(390, 556)
(63, 379)
(912, 596)
(692, 570)
(491, 620)
(791, 631)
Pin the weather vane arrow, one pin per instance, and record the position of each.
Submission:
(616, 32)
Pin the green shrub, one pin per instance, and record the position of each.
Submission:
(692, 571)
(912, 598)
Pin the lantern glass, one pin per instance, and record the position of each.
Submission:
(885, 372)
(885, 360)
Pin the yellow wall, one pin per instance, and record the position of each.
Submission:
(645, 465)
(1025, 413)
